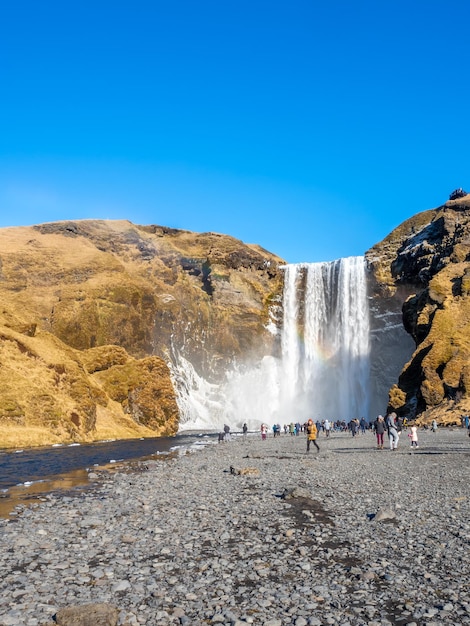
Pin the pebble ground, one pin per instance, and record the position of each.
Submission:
(364, 537)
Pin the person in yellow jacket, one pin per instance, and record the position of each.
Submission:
(312, 435)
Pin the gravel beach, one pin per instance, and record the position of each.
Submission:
(252, 532)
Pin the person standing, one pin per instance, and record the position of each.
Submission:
(392, 431)
(264, 431)
(414, 436)
(353, 425)
(327, 427)
(245, 430)
(434, 426)
(312, 435)
(379, 427)
(399, 424)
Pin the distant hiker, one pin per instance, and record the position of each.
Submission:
(312, 435)
(363, 425)
(379, 427)
(392, 431)
(434, 426)
(327, 427)
(228, 437)
(245, 430)
(264, 431)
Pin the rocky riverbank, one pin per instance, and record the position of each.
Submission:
(348, 536)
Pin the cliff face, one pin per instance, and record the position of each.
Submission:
(423, 267)
(91, 309)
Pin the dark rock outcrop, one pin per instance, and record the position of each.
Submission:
(423, 267)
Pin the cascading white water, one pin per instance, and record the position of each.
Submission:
(323, 371)
(330, 339)
(199, 402)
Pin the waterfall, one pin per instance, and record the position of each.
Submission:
(324, 363)
(325, 339)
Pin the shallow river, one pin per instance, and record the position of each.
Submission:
(26, 474)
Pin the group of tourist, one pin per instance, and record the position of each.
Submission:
(326, 426)
(391, 425)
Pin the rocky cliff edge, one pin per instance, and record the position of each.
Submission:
(425, 265)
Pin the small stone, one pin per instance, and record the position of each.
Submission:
(385, 514)
(178, 612)
(121, 585)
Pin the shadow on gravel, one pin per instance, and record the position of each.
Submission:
(355, 450)
(440, 451)
(271, 456)
(402, 450)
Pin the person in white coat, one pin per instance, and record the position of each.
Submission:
(414, 436)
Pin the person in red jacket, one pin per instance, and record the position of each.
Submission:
(379, 427)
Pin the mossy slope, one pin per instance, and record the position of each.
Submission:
(91, 309)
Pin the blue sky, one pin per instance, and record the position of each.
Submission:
(310, 128)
